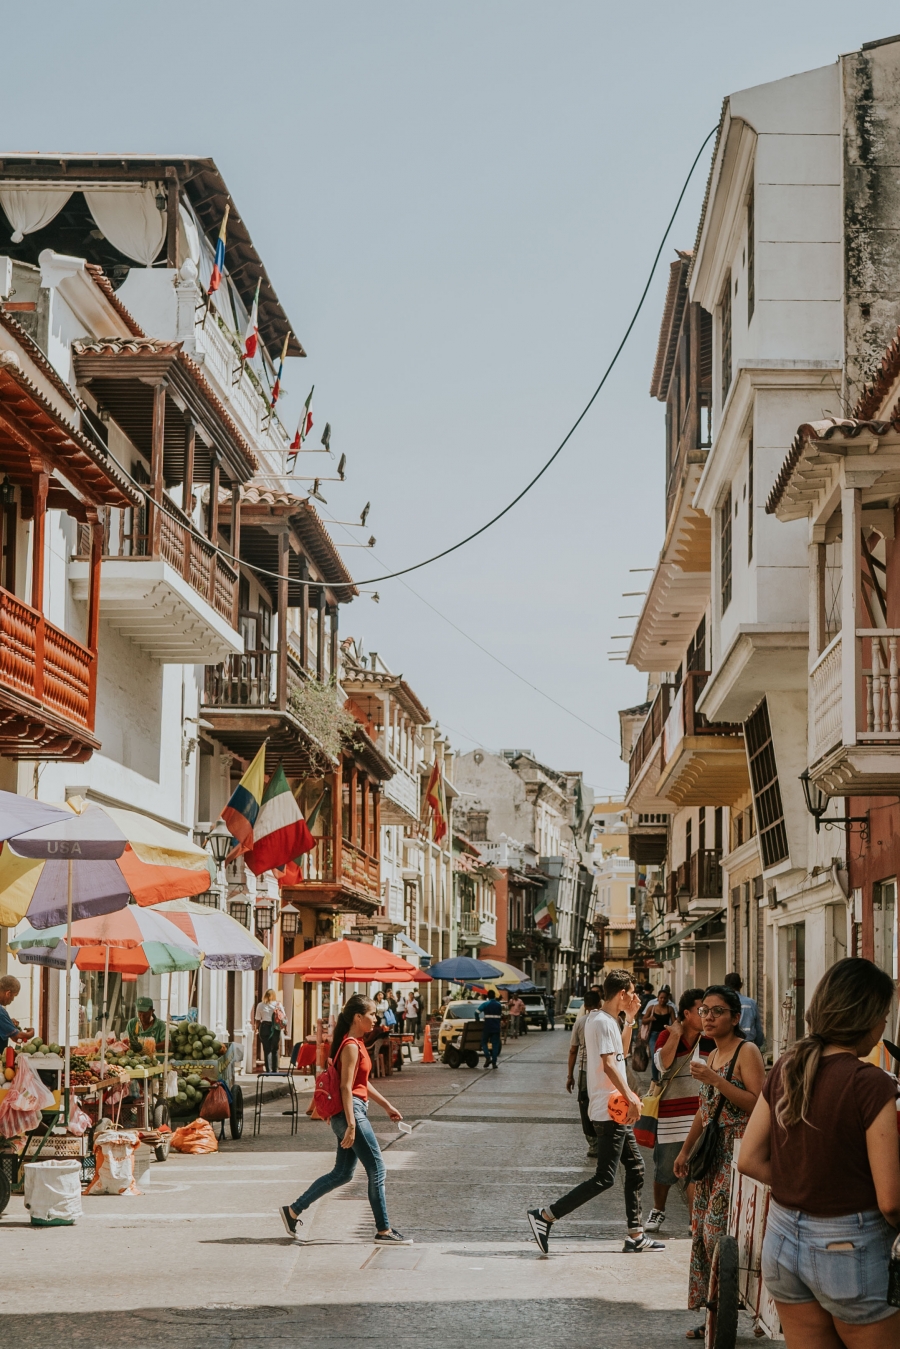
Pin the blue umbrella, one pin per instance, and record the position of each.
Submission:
(460, 968)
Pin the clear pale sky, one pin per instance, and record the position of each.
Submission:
(458, 205)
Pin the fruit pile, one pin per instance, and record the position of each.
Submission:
(40, 1049)
(191, 1041)
(191, 1090)
(132, 1060)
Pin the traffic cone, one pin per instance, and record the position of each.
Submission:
(428, 1048)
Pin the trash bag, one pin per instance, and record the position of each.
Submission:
(114, 1163)
(20, 1109)
(215, 1104)
(195, 1137)
(53, 1192)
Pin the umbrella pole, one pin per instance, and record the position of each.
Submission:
(166, 1050)
(105, 1015)
(68, 1068)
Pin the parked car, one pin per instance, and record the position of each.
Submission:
(535, 1010)
(456, 1014)
(572, 1011)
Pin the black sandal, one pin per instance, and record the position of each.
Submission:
(698, 1333)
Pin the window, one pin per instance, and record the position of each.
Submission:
(766, 791)
(794, 1006)
(725, 349)
(688, 828)
(750, 503)
(751, 257)
(696, 652)
(884, 925)
(725, 551)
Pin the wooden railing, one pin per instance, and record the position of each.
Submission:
(684, 720)
(318, 865)
(650, 732)
(173, 539)
(250, 679)
(874, 714)
(44, 663)
(360, 869)
(706, 874)
(825, 696)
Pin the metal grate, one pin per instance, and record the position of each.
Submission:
(766, 790)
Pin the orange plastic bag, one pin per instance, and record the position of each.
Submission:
(215, 1104)
(195, 1137)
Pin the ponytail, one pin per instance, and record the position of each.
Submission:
(849, 1000)
(355, 1005)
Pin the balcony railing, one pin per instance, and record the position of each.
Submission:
(684, 720)
(171, 538)
(700, 877)
(244, 398)
(649, 732)
(43, 663)
(249, 679)
(873, 714)
(318, 865)
(360, 870)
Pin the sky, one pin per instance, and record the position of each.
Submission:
(458, 206)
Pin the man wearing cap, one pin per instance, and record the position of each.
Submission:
(145, 1025)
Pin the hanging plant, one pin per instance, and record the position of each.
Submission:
(317, 708)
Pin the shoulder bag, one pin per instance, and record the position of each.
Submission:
(646, 1127)
(705, 1150)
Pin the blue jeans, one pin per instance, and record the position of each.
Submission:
(490, 1045)
(366, 1150)
(841, 1263)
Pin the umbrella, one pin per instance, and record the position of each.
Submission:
(460, 968)
(350, 962)
(146, 958)
(226, 943)
(506, 975)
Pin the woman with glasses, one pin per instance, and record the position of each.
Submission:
(720, 1016)
(824, 1136)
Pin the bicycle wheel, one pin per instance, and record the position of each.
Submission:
(723, 1296)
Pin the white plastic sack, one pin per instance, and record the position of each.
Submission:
(53, 1191)
(20, 1109)
(114, 1163)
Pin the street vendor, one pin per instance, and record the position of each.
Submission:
(145, 1026)
(9, 1027)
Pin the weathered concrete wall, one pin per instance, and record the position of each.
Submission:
(871, 116)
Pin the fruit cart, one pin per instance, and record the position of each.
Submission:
(201, 1061)
(735, 1281)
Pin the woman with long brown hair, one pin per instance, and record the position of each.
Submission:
(356, 1140)
(823, 1135)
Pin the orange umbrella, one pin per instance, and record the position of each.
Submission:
(350, 962)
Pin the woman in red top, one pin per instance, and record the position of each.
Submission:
(823, 1135)
(351, 1127)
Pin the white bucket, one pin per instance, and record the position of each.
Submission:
(53, 1192)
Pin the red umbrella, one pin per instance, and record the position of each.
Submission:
(351, 962)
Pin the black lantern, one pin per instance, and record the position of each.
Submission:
(683, 900)
(239, 910)
(161, 200)
(7, 492)
(290, 921)
(658, 895)
(817, 804)
(265, 917)
(219, 842)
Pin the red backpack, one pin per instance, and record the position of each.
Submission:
(326, 1101)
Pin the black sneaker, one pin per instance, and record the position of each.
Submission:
(635, 1245)
(392, 1238)
(540, 1229)
(290, 1223)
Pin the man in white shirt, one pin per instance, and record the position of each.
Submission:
(605, 1050)
(577, 1063)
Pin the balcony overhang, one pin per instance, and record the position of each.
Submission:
(644, 795)
(331, 896)
(705, 770)
(828, 455)
(648, 844)
(761, 659)
(859, 770)
(400, 798)
(147, 601)
(242, 730)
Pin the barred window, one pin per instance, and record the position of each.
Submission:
(766, 791)
(725, 551)
(725, 349)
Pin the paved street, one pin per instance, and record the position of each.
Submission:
(201, 1258)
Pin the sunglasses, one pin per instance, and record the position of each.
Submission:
(714, 1011)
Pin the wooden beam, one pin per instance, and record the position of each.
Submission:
(284, 560)
(158, 436)
(333, 640)
(40, 487)
(320, 638)
(304, 614)
(172, 217)
(214, 477)
(190, 446)
(93, 629)
(236, 547)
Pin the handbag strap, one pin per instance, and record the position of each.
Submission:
(673, 1071)
(714, 1119)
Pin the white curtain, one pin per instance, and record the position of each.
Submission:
(131, 221)
(29, 211)
(188, 238)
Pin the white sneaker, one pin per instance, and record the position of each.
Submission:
(656, 1220)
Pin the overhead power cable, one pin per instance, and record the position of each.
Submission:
(404, 571)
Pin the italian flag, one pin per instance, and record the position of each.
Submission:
(251, 337)
(545, 915)
(305, 424)
(280, 833)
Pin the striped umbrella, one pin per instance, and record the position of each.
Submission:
(226, 943)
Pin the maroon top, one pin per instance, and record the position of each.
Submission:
(822, 1167)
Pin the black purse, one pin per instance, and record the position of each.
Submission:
(705, 1150)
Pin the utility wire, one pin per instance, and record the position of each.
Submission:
(568, 436)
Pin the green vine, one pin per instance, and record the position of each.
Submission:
(316, 707)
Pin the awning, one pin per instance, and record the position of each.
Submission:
(669, 949)
(408, 942)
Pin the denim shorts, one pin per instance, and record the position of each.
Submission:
(850, 1284)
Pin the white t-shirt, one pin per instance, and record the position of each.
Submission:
(601, 1036)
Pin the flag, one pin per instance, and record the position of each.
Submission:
(280, 833)
(242, 810)
(276, 387)
(215, 280)
(304, 426)
(292, 873)
(436, 800)
(251, 337)
(545, 915)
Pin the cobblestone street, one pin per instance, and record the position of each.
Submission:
(201, 1258)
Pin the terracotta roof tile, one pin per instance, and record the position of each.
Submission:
(102, 282)
(846, 427)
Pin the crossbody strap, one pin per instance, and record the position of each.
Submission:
(714, 1119)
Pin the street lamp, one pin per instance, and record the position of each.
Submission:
(219, 842)
(683, 900)
(290, 921)
(817, 804)
(658, 895)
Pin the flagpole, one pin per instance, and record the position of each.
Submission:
(67, 1075)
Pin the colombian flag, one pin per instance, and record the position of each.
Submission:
(305, 424)
(436, 799)
(280, 833)
(215, 280)
(242, 810)
(276, 387)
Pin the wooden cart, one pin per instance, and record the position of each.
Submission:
(735, 1281)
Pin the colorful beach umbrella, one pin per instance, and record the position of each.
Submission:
(350, 962)
(226, 943)
(460, 968)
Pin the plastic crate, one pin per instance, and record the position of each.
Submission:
(57, 1145)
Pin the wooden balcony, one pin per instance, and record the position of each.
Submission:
(246, 700)
(162, 585)
(703, 763)
(854, 716)
(47, 687)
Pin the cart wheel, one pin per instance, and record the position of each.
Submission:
(471, 1058)
(161, 1149)
(236, 1122)
(454, 1058)
(160, 1115)
(723, 1297)
(5, 1189)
